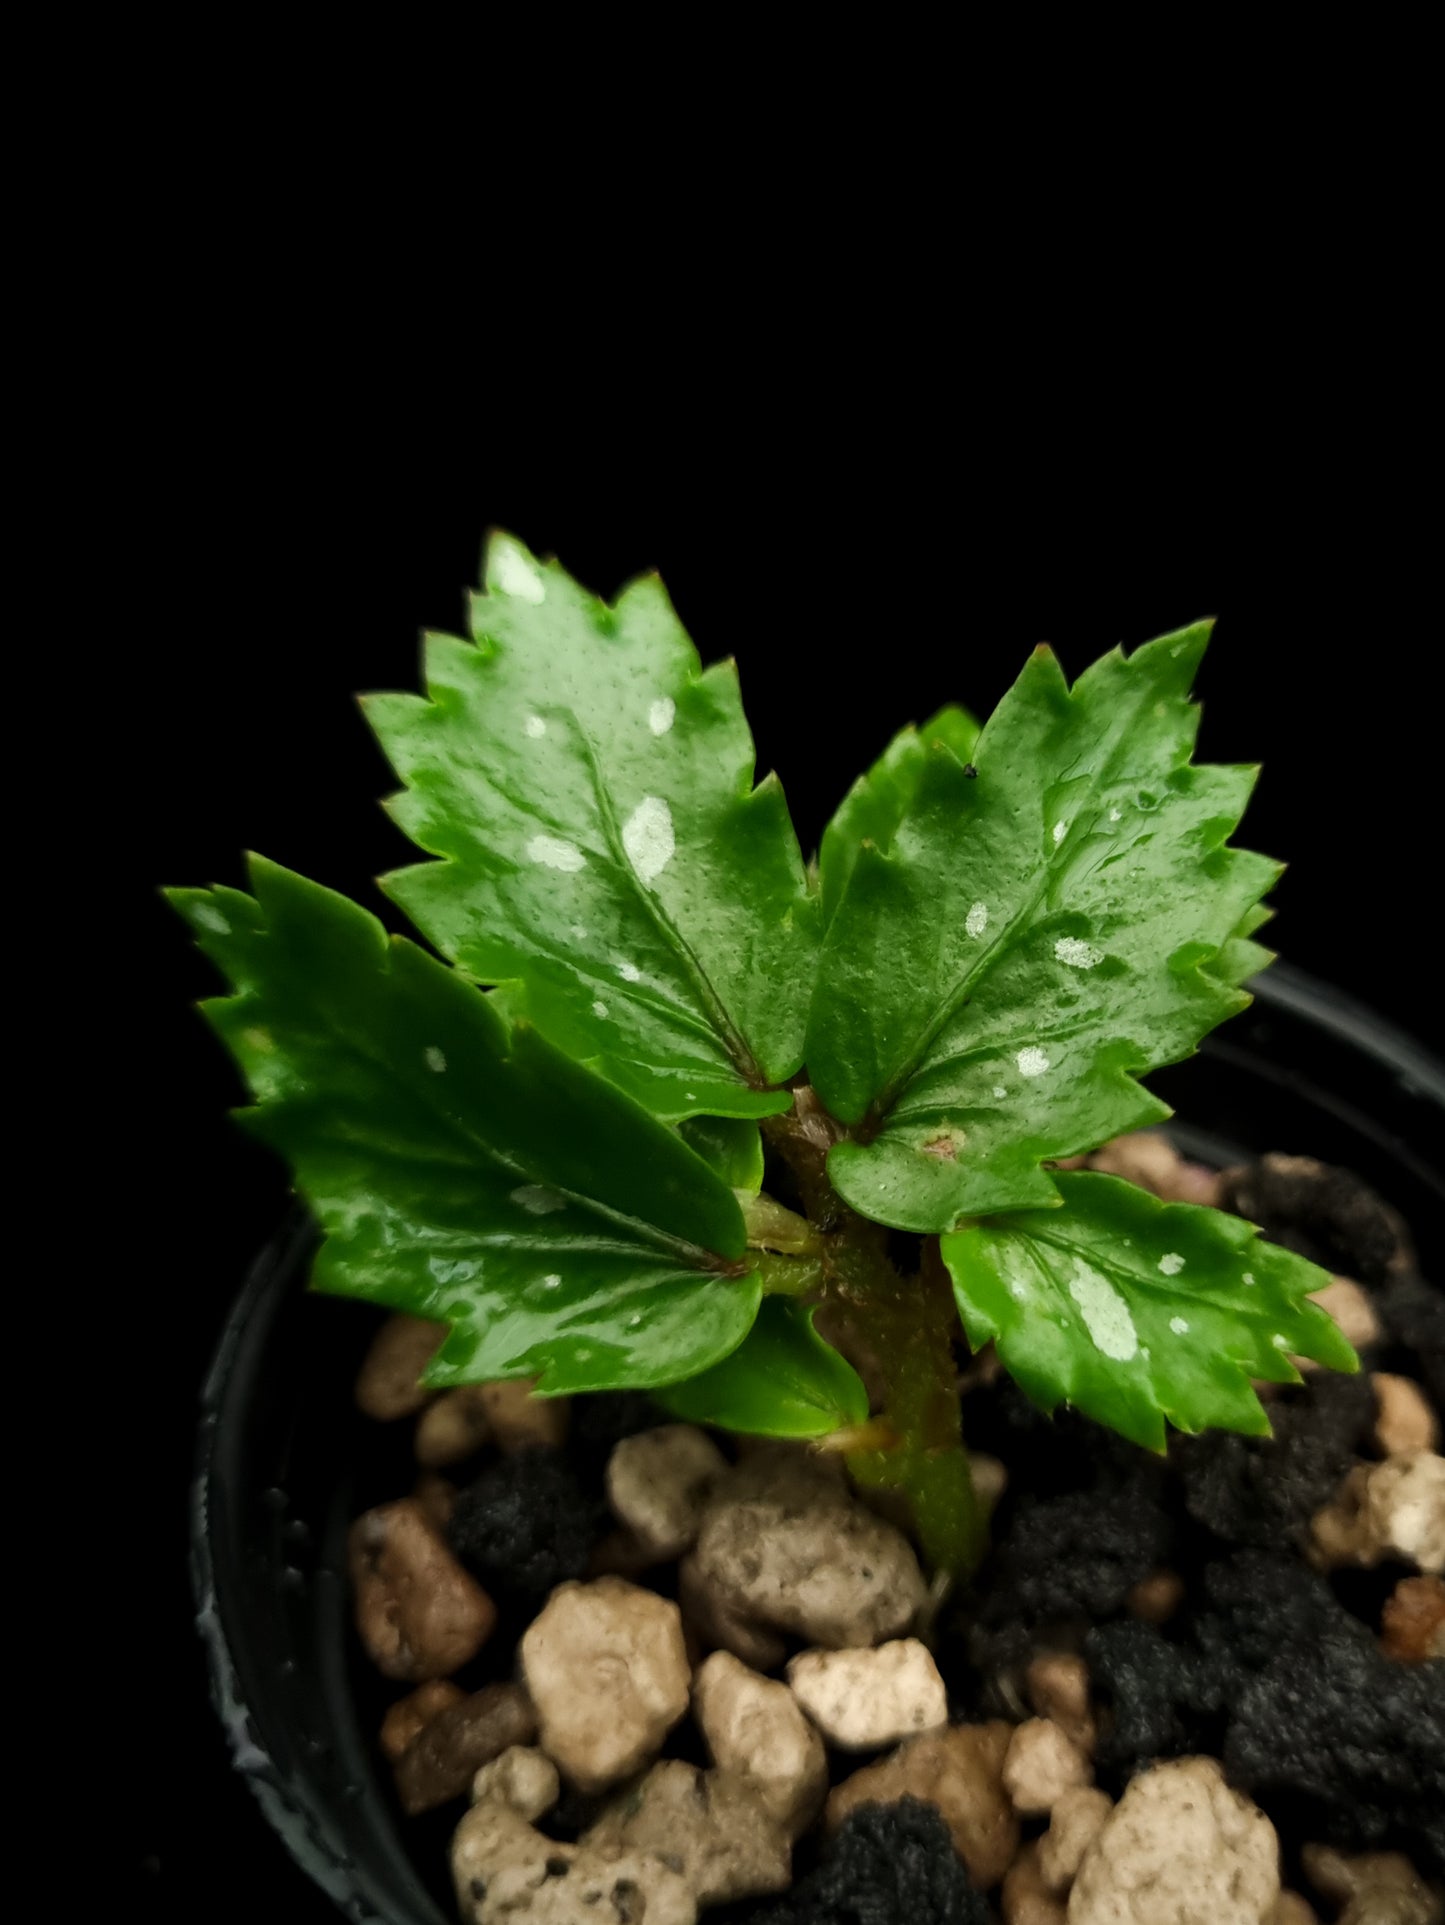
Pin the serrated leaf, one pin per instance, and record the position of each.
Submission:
(1031, 941)
(877, 801)
(1135, 1311)
(731, 1145)
(588, 790)
(464, 1171)
(1241, 958)
(782, 1381)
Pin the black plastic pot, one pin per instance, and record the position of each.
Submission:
(285, 1463)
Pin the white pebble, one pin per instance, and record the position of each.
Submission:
(608, 1673)
(861, 1699)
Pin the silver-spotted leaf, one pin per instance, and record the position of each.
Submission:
(1136, 1311)
(588, 793)
(1033, 938)
(463, 1170)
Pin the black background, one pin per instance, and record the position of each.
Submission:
(289, 482)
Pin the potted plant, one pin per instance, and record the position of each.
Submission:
(752, 1229)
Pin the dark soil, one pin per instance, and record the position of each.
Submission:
(525, 1526)
(887, 1864)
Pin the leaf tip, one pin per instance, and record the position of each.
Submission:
(510, 568)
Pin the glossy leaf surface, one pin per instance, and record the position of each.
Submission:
(782, 1381)
(462, 1170)
(1030, 940)
(588, 791)
(878, 801)
(732, 1145)
(1135, 1311)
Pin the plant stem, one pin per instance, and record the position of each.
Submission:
(898, 1330)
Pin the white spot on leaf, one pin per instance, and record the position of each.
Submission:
(537, 1200)
(1061, 829)
(1105, 1313)
(553, 853)
(209, 917)
(1116, 815)
(1171, 1263)
(1180, 1326)
(579, 932)
(647, 837)
(1078, 955)
(659, 716)
(1249, 1278)
(515, 575)
(1031, 1061)
(999, 1091)
(434, 1058)
(1280, 1342)
(976, 921)
(552, 1282)
(599, 1009)
(629, 972)
(534, 727)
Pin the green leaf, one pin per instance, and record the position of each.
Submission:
(877, 801)
(1241, 958)
(1030, 941)
(464, 1171)
(1135, 1310)
(783, 1381)
(731, 1145)
(588, 790)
